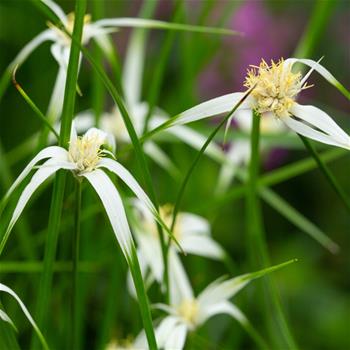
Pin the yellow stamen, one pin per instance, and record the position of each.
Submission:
(65, 39)
(166, 214)
(277, 87)
(86, 151)
(188, 311)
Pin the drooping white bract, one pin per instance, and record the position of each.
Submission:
(86, 159)
(191, 231)
(187, 312)
(4, 317)
(276, 90)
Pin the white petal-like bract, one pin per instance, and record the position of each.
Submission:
(114, 208)
(8, 290)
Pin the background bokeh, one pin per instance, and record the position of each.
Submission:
(315, 291)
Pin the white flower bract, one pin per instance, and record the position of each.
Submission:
(275, 92)
(191, 231)
(85, 158)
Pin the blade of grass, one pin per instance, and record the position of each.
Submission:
(292, 215)
(136, 47)
(299, 220)
(158, 74)
(7, 335)
(44, 291)
(97, 86)
(327, 173)
(24, 233)
(133, 69)
(198, 157)
(156, 24)
(277, 176)
(37, 266)
(135, 269)
(75, 272)
(142, 299)
(32, 105)
(317, 24)
(306, 46)
(257, 248)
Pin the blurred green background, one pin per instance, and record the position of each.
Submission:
(315, 291)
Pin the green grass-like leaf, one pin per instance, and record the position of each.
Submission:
(44, 290)
(257, 246)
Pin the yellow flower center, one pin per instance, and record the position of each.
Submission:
(86, 151)
(121, 345)
(276, 87)
(166, 214)
(188, 311)
(115, 124)
(65, 39)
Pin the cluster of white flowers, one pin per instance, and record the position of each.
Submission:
(275, 89)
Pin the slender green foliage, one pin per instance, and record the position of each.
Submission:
(313, 32)
(7, 335)
(199, 155)
(257, 248)
(306, 46)
(43, 297)
(157, 76)
(327, 173)
(33, 106)
(75, 272)
(276, 176)
(142, 299)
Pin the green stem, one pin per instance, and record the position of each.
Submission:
(158, 74)
(97, 86)
(142, 299)
(33, 106)
(199, 155)
(326, 172)
(317, 24)
(75, 272)
(44, 292)
(277, 176)
(256, 241)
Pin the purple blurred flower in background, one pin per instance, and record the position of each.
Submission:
(261, 40)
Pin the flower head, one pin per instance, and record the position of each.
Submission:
(188, 311)
(86, 159)
(85, 151)
(276, 87)
(191, 231)
(62, 37)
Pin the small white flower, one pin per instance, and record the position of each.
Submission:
(61, 42)
(85, 158)
(186, 312)
(276, 90)
(139, 343)
(191, 231)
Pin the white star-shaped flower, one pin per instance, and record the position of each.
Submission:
(276, 88)
(86, 158)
